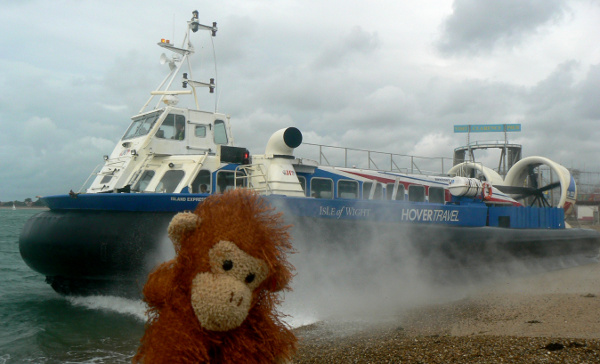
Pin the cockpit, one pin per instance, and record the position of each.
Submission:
(202, 131)
(173, 127)
(141, 126)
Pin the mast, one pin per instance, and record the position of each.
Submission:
(175, 62)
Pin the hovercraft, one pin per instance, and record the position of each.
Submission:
(104, 239)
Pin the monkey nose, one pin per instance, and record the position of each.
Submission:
(233, 298)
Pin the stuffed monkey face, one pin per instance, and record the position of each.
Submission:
(222, 297)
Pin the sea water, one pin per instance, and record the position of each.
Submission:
(37, 325)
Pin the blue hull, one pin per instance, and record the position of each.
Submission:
(108, 243)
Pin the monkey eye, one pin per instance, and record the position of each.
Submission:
(250, 278)
(227, 265)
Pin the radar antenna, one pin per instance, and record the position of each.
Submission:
(175, 63)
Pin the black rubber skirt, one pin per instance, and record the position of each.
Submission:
(111, 252)
(88, 252)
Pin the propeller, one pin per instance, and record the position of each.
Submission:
(524, 192)
(527, 173)
(533, 177)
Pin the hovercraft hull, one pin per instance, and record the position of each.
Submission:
(111, 252)
(88, 252)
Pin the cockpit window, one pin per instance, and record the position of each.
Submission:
(220, 132)
(169, 181)
(143, 181)
(173, 127)
(140, 126)
(200, 131)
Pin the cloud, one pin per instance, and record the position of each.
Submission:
(340, 51)
(114, 108)
(48, 156)
(589, 95)
(476, 27)
(37, 129)
(254, 130)
(563, 115)
(431, 144)
(369, 77)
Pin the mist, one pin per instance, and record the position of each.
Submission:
(369, 273)
(372, 272)
(371, 276)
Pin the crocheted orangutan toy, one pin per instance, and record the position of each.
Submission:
(215, 302)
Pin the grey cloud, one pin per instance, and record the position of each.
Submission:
(357, 41)
(563, 116)
(479, 26)
(589, 99)
(551, 95)
(332, 81)
(474, 100)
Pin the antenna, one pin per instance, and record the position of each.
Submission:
(177, 60)
(218, 95)
(171, 61)
(164, 59)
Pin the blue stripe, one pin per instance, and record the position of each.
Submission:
(466, 214)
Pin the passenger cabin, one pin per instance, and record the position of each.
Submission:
(335, 183)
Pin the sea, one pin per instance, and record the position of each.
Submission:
(37, 325)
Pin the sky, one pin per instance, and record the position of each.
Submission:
(392, 76)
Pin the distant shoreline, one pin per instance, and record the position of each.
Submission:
(24, 208)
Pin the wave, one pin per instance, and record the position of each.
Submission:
(125, 306)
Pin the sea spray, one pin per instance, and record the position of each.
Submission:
(125, 306)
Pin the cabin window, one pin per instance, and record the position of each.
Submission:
(347, 189)
(226, 180)
(436, 194)
(201, 183)
(144, 180)
(169, 181)
(377, 194)
(173, 127)
(220, 132)
(389, 190)
(140, 126)
(366, 190)
(416, 193)
(302, 181)
(200, 131)
(400, 194)
(321, 188)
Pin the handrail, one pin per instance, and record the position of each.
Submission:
(249, 173)
(90, 176)
(115, 162)
(145, 163)
(391, 165)
(196, 169)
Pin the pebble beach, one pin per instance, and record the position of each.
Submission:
(551, 317)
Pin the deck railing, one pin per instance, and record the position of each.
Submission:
(335, 156)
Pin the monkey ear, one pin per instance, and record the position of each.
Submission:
(182, 224)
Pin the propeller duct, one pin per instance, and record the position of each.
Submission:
(515, 182)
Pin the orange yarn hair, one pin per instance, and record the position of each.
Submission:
(173, 332)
